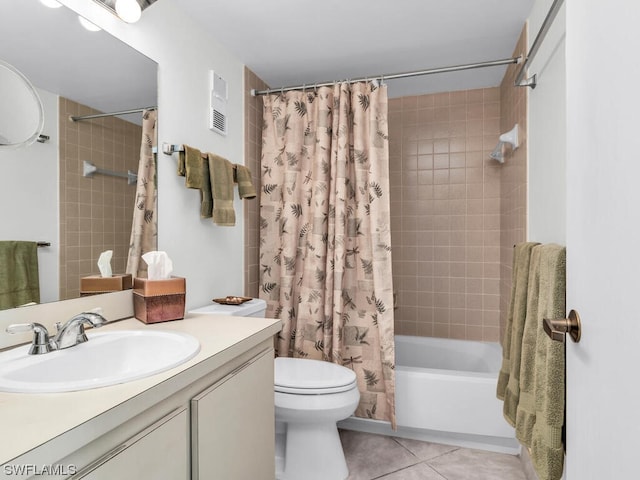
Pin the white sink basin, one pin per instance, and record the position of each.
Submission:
(106, 359)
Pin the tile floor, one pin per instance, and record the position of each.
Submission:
(372, 457)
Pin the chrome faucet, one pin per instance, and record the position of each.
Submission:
(68, 335)
(72, 332)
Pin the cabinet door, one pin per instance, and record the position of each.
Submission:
(160, 452)
(232, 425)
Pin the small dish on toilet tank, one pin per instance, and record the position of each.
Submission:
(255, 307)
(231, 300)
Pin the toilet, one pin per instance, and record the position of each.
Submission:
(311, 396)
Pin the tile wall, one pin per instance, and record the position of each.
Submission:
(253, 150)
(513, 183)
(95, 213)
(445, 206)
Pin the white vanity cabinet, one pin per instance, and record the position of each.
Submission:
(160, 452)
(214, 419)
(232, 425)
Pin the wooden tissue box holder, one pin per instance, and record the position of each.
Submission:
(159, 300)
(95, 284)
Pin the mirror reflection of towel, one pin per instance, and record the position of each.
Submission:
(19, 278)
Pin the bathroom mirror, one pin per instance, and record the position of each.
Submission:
(21, 113)
(97, 71)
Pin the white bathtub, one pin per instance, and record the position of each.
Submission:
(446, 392)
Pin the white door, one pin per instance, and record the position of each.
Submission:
(603, 238)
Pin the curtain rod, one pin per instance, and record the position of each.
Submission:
(455, 68)
(542, 33)
(112, 114)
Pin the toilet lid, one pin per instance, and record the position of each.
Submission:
(302, 376)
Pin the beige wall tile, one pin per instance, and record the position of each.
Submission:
(445, 274)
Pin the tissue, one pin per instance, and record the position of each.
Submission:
(104, 263)
(159, 265)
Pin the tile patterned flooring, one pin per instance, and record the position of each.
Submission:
(381, 457)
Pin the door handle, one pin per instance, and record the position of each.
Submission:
(556, 329)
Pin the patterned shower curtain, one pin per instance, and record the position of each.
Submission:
(325, 249)
(144, 228)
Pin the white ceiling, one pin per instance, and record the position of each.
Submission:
(287, 42)
(295, 42)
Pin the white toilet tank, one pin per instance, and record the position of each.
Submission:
(253, 308)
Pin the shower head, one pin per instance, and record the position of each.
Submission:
(511, 138)
(497, 153)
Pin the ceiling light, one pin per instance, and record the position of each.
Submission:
(51, 3)
(88, 25)
(128, 10)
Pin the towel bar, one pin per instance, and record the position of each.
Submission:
(170, 148)
(556, 329)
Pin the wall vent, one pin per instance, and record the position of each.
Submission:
(218, 104)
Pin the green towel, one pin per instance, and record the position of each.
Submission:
(525, 407)
(547, 449)
(540, 409)
(19, 280)
(221, 173)
(206, 197)
(245, 185)
(509, 377)
(195, 168)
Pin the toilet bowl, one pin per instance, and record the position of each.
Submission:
(310, 397)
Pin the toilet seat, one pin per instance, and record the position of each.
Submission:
(301, 376)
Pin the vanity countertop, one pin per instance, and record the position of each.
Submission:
(30, 420)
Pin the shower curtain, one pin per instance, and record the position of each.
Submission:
(325, 249)
(144, 228)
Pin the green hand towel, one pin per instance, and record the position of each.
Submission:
(512, 339)
(245, 185)
(195, 168)
(221, 173)
(19, 280)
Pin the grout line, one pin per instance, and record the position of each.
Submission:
(442, 455)
(424, 460)
(395, 471)
(398, 443)
(436, 471)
